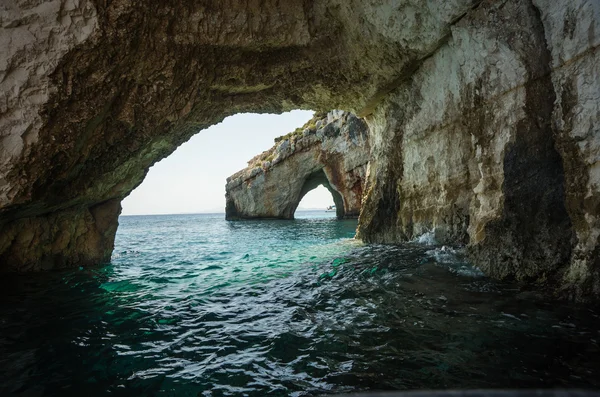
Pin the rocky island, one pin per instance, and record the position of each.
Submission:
(483, 118)
(330, 150)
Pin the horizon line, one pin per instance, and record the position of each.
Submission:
(208, 212)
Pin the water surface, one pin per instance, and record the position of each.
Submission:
(192, 305)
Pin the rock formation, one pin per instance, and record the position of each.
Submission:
(494, 142)
(483, 116)
(332, 151)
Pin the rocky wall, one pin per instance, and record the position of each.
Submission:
(475, 146)
(332, 151)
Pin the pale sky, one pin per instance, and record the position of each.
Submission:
(192, 179)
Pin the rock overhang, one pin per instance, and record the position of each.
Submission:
(93, 93)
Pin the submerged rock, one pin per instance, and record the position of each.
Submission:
(332, 151)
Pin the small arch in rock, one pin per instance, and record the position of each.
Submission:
(315, 180)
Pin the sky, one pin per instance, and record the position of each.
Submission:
(192, 179)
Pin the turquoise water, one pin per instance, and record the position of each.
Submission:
(192, 305)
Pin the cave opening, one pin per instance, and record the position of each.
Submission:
(319, 181)
(318, 203)
(192, 179)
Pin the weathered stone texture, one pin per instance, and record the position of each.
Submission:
(332, 151)
(484, 157)
(35, 35)
(572, 32)
(74, 237)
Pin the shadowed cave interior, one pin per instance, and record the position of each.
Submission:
(483, 117)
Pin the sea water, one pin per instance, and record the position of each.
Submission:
(192, 305)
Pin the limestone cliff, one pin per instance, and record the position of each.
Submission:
(494, 142)
(332, 151)
(483, 116)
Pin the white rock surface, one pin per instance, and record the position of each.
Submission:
(34, 36)
(334, 153)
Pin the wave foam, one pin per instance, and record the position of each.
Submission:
(427, 238)
(453, 259)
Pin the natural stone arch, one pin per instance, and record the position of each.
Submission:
(332, 150)
(317, 179)
(483, 114)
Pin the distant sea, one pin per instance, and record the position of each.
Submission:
(193, 305)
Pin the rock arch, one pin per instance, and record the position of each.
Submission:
(319, 178)
(483, 116)
(332, 151)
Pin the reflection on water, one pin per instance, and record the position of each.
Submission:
(194, 305)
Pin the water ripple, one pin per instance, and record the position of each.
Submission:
(202, 307)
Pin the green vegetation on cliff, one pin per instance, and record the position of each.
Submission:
(310, 125)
